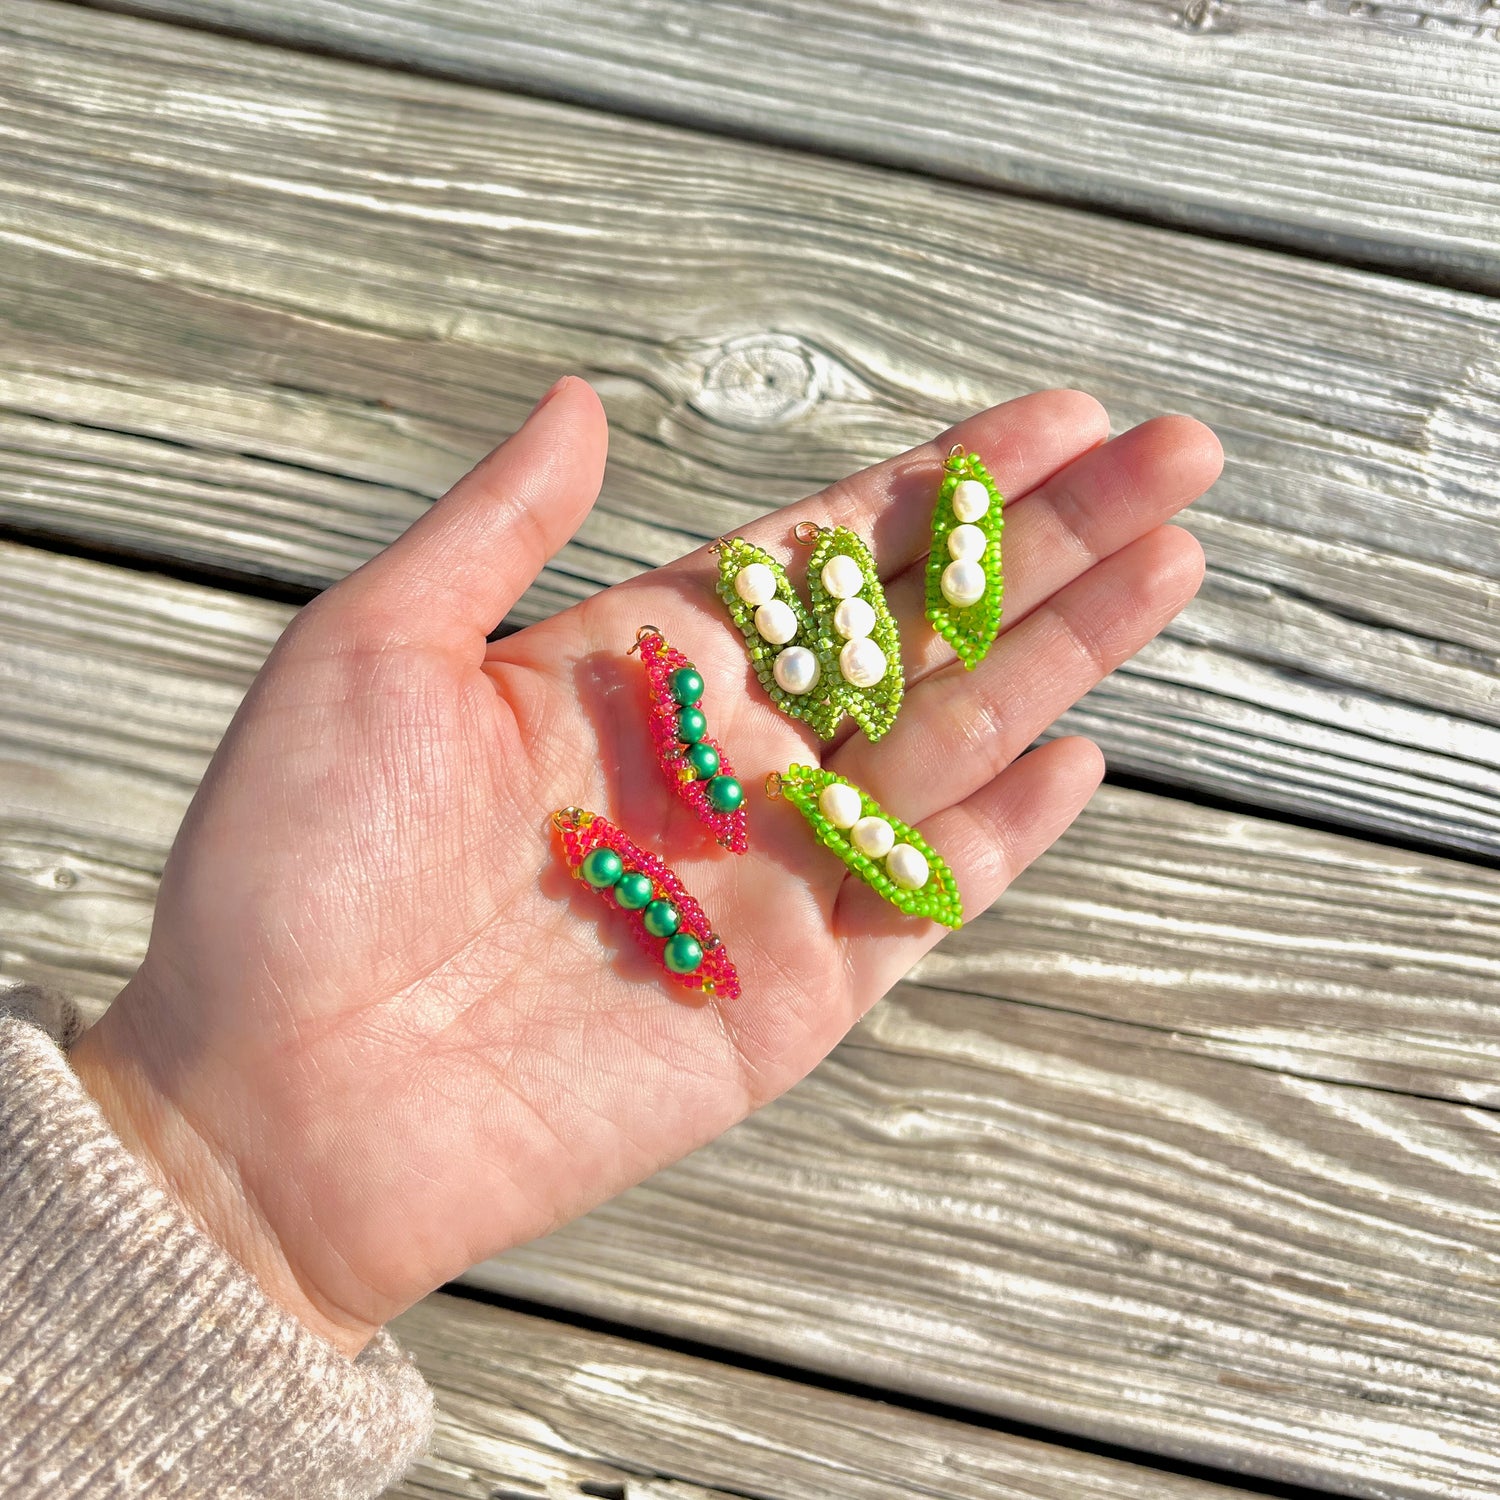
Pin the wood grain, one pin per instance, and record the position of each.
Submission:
(1110, 1164)
(529, 1408)
(1347, 130)
(259, 320)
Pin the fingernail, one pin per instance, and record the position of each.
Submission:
(557, 385)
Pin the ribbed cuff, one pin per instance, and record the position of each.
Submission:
(137, 1358)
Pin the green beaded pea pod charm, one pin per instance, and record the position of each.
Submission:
(964, 581)
(843, 655)
(690, 758)
(856, 630)
(883, 851)
(781, 638)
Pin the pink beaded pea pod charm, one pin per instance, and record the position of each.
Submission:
(666, 921)
(690, 758)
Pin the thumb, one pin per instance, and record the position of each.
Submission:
(453, 574)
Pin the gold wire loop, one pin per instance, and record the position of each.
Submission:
(641, 633)
(567, 817)
(773, 785)
(807, 532)
(956, 451)
(715, 548)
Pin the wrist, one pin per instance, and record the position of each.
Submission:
(205, 1180)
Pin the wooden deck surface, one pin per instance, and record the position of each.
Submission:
(1186, 1154)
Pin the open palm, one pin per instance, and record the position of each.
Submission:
(381, 1034)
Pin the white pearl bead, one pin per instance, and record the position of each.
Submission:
(854, 619)
(755, 583)
(963, 583)
(862, 663)
(797, 671)
(776, 622)
(967, 543)
(970, 500)
(842, 576)
(840, 804)
(907, 867)
(873, 836)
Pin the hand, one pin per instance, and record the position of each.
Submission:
(380, 1035)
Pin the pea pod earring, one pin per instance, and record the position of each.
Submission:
(664, 919)
(781, 638)
(690, 758)
(964, 581)
(841, 655)
(884, 852)
(855, 627)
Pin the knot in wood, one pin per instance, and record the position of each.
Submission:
(761, 380)
(1201, 15)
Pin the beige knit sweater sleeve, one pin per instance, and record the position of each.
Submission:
(136, 1358)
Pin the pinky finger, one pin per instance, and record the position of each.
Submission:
(987, 840)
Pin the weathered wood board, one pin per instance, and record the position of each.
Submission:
(1155, 1203)
(257, 307)
(1228, 935)
(529, 1409)
(1362, 131)
(1070, 1222)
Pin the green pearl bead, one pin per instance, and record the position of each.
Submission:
(687, 686)
(634, 890)
(691, 725)
(602, 867)
(660, 919)
(704, 760)
(725, 793)
(683, 953)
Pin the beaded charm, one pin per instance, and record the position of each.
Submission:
(855, 628)
(692, 760)
(964, 582)
(883, 851)
(667, 922)
(843, 655)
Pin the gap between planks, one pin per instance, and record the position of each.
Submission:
(532, 1407)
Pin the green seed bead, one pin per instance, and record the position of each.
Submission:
(725, 793)
(683, 953)
(691, 725)
(704, 760)
(660, 919)
(602, 867)
(687, 686)
(634, 890)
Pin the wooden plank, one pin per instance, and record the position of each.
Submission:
(1110, 1164)
(1235, 937)
(1361, 132)
(528, 1407)
(282, 301)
